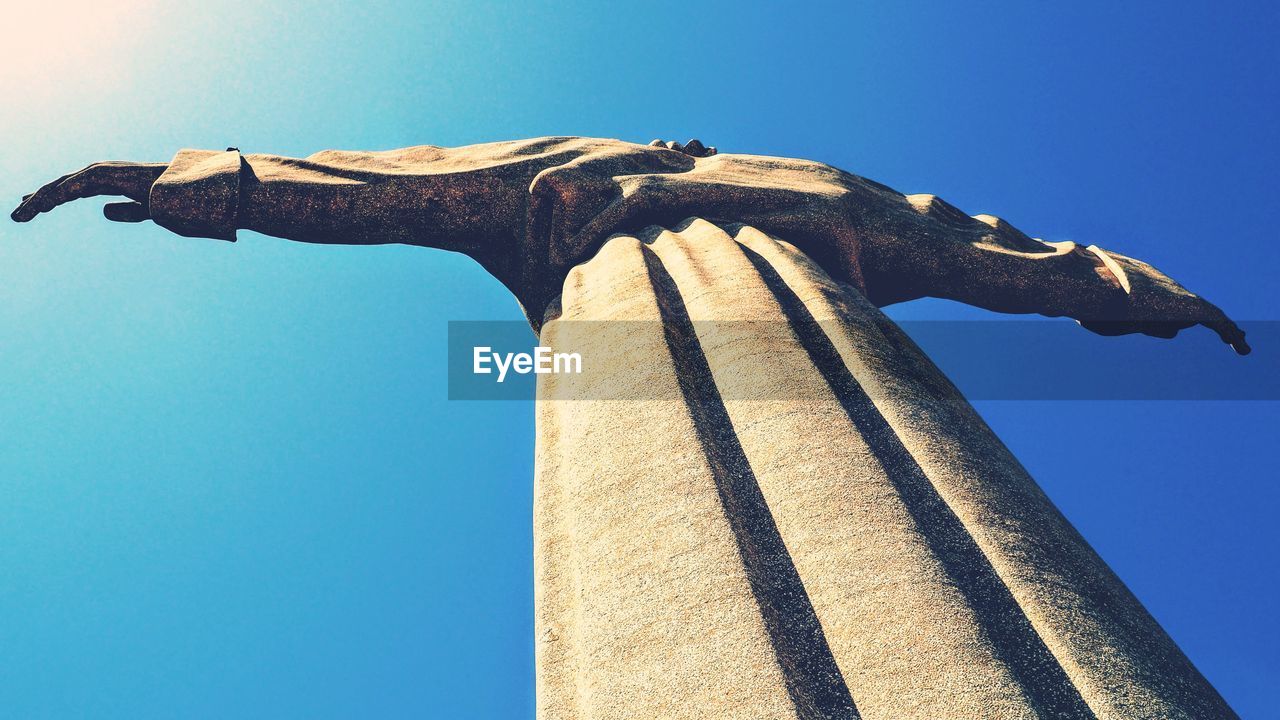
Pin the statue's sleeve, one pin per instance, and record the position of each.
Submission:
(452, 198)
(199, 194)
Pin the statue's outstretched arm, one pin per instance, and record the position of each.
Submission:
(932, 249)
(472, 200)
(496, 202)
(527, 210)
(438, 197)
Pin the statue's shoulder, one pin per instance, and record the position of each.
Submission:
(620, 157)
(550, 145)
(564, 164)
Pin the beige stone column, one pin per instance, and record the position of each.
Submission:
(770, 504)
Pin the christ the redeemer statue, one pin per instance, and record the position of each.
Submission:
(812, 522)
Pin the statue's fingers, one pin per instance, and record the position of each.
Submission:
(48, 197)
(28, 208)
(75, 186)
(1211, 316)
(24, 212)
(130, 212)
(1230, 333)
(133, 180)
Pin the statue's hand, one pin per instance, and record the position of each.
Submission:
(693, 148)
(922, 246)
(1160, 307)
(131, 180)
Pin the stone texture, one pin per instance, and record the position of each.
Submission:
(530, 210)
(892, 545)
(794, 514)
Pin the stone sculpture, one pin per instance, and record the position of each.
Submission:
(857, 545)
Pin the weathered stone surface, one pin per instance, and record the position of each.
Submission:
(530, 210)
(813, 523)
(902, 561)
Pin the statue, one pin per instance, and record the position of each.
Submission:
(860, 545)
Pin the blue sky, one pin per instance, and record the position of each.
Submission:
(230, 482)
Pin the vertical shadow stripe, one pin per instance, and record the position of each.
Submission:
(1016, 642)
(813, 680)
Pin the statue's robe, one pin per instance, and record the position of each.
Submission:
(794, 514)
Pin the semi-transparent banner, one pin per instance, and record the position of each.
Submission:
(986, 360)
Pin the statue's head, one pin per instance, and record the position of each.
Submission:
(693, 148)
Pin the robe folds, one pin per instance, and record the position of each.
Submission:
(799, 516)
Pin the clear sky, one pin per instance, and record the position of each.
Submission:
(230, 482)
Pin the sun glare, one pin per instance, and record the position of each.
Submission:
(42, 40)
